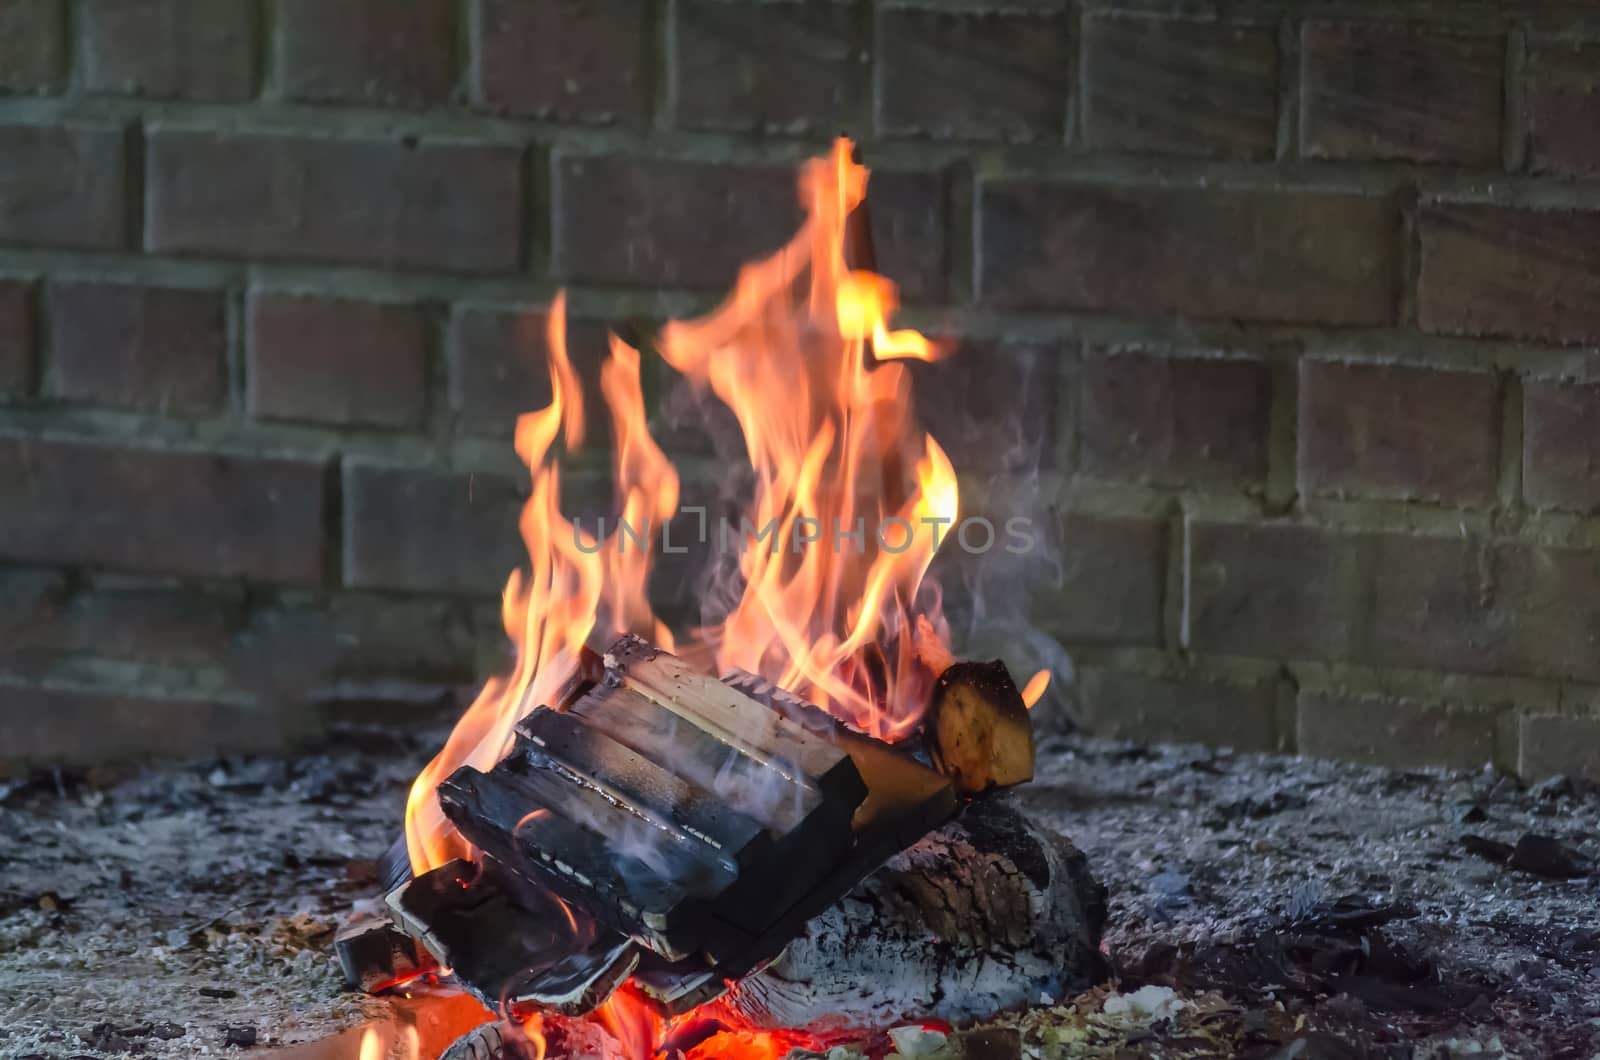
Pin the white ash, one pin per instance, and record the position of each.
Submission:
(182, 884)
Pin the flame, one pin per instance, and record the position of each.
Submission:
(826, 412)
(830, 599)
(533, 1035)
(1034, 690)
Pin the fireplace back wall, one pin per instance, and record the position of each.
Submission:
(1293, 306)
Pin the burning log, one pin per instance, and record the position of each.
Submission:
(667, 826)
(988, 913)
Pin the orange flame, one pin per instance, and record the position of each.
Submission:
(850, 502)
(830, 433)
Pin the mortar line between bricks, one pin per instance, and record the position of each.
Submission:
(658, 62)
(133, 186)
(72, 21)
(461, 50)
(236, 328)
(1286, 712)
(875, 67)
(961, 222)
(1289, 60)
(43, 336)
(1361, 517)
(333, 528)
(1408, 293)
(538, 203)
(1489, 693)
(1051, 161)
(472, 45)
(1513, 118)
(1266, 340)
(266, 50)
(1283, 441)
(1175, 588)
(1075, 108)
(1487, 15)
(1511, 445)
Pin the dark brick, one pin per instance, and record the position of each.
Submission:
(337, 360)
(170, 49)
(1174, 420)
(155, 624)
(580, 59)
(356, 637)
(641, 220)
(1397, 734)
(907, 211)
(499, 368)
(973, 75)
(61, 727)
(1389, 90)
(161, 511)
(1560, 445)
(1561, 103)
(1285, 255)
(628, 219)
(992, 406)
(387, 203)
(1552, 745)
(16, 338)
(151, 349)
(1493, 270)
(459, 530)
(1426, 601)
(1539, 610)
(31, 49)
(1180, 86)
(1111, 581)
(1133, 707)
(62, 186)
(1273, 590)
(1415, 601)
(789, 65)
(1400, 432)
(366, 51)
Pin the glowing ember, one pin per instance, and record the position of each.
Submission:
(802, 355)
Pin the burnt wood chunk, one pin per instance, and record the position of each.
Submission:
(375, 956)
(522, 820)
(676, 988)
(978, 730)
(504, 953)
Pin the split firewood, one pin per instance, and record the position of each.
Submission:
(978, 730)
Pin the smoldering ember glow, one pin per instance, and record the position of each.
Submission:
(803, 355)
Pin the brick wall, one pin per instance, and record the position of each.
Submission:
(1298, 301)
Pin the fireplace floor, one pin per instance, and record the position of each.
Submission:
(202, 899)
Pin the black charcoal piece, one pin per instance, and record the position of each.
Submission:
(374, 956)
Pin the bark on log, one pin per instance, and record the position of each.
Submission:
(989, 913)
